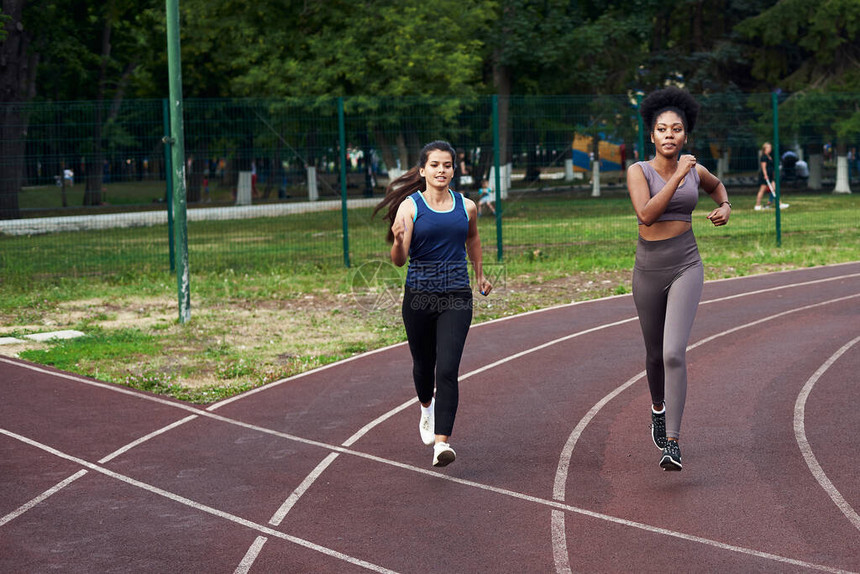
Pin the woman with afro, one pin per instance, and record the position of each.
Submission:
(668, 275)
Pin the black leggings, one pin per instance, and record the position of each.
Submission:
(436, 327)
(667, 285)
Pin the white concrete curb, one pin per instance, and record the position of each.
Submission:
(41, 225)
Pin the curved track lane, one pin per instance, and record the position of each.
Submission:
(555, 471)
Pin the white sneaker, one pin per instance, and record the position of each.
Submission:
(783, 206)
(443, 454)
(757, 207)
(427, 424)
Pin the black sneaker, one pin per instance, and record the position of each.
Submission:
(671, 459)
(658, 428)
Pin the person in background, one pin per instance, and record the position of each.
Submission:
(435, 229)
(668, 275)
(485, 198)
(765, 174)
(802, 169)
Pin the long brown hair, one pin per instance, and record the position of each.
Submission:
(409, 182)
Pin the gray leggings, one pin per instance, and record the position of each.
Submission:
(667, 285)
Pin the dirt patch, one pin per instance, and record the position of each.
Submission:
(241, 340)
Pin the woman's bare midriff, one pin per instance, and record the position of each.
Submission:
(663, 230)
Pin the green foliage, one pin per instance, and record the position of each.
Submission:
(558, 47)
(345, 48)
(92, 49)
(694, 44)
(813, 117)
(453, 47)
(802, 44)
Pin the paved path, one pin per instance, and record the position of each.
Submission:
(37, 225)
(556, 472)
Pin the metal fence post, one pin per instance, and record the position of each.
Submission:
(177, 141)
(776, 174)
(165, 112)
(498, 176)
(342, 134)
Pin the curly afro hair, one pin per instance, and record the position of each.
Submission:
(670, 99)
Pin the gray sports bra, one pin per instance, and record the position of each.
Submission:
(686, 197)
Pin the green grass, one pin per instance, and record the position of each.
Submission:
(75, 354)
(240, 270)
(146, 192)
(45, 197)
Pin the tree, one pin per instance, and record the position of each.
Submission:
(563, 47)
(808, 47)
(361, 50)
(17, 85)
(92, 50)
(67, 50)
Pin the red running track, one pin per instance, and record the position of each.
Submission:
(556, 471)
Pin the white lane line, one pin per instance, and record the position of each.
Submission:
(175, 404)
(570, 445)
(53, 490)
(145, 438)
(780, 288)
(245, 565)
(573, 439)
(277, 383)
(786, 271)
(560, 554)
(311, 478)
(106, 386)
(295, 496)
(280, 382)
(551, 504)
(558, 488)
(520, 315)
(559, 483)
(803, 443)
(559, 540)
(198, 506)
(281, 513)
(317, 472)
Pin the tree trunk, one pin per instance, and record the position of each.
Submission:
(384, 148)
(532, 160)
(413, 148)
(502, 82)
(816, 171)
(194, 178)
(402, 151)
(11, 148)
(595, 165)
(842, 183)
(17, 75)
(697, 39)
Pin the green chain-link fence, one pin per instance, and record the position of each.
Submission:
(83, 191)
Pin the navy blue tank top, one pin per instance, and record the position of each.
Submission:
(437, 253)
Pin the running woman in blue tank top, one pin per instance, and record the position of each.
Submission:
(435, 229)
(668, 276)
